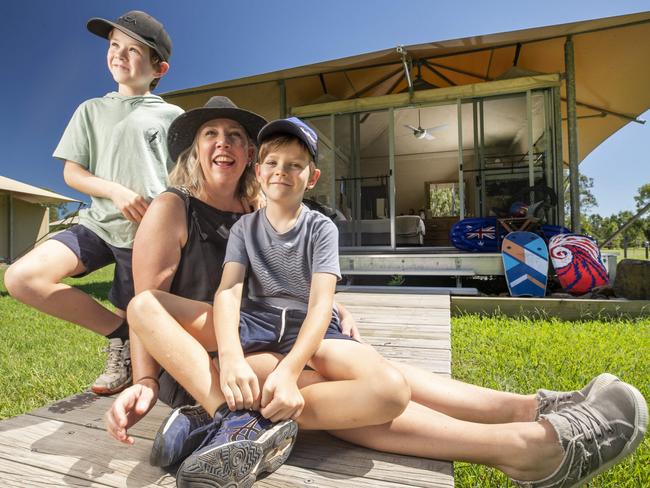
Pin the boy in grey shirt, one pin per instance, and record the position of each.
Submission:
(289, 255)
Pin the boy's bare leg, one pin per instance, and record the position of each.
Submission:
(523, 450)
(35, 279)
(372, 390)
(465, 401)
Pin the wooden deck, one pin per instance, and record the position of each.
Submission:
(64, 444)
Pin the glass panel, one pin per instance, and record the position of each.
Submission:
(323, 192)
(362, 178)
(426, 174)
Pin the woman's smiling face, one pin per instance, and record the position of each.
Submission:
(224, 151)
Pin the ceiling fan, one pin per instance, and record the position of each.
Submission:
(420, 133)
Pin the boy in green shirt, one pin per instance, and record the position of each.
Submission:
(114, 149)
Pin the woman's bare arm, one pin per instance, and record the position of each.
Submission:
(156, 254)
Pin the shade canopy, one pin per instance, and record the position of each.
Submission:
(30, 193)
(612, 73)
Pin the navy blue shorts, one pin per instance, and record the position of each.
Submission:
(260, 328)
(94, 253)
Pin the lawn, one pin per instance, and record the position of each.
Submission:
(632, 253)
(44, 359)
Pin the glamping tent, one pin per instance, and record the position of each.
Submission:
(455, 129)
(24, 216)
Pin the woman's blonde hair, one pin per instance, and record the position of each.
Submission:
(188, 174)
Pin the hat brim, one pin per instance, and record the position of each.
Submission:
(102, 28)
(182, 130)
(284, 126)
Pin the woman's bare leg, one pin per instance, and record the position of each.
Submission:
(154, 316)
(465, 401)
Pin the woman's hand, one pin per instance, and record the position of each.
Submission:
(239, 384)
(281, 398)
(128, 408)
(132, 205)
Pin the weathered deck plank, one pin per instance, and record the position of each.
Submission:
(64, 444)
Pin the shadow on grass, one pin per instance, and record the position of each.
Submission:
(97, 290)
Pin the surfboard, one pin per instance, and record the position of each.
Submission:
(525, 261)
(577, 262)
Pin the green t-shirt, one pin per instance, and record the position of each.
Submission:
(122, 139)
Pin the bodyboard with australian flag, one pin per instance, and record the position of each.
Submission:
(483, 234)
(525, 261)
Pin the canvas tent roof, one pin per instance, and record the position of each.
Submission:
(611, 69)
(31, 193)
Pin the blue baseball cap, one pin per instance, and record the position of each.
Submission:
(295, 127)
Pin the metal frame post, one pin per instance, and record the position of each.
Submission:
(572, 131)
(283, 99)
(461, 181)
(391, 177)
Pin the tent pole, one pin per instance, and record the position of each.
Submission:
(283, 99)
(11, 227)
(572, 130)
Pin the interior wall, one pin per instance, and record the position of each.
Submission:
(411, 172)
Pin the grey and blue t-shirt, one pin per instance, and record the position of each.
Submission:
(280, 266)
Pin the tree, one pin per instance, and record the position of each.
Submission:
(643, 198)
(587, 199)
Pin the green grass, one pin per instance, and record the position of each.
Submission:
(43, 359)
(632, 253)
(524, 355)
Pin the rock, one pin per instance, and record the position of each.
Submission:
(633, 279)
(605, 291)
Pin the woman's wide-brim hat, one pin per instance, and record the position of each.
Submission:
(183, 129)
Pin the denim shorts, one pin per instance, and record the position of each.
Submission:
(94, 253)
(266, 328)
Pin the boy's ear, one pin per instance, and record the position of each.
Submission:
(257, 170)
(313, 178)
(163, 68)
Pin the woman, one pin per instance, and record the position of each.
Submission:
(444, 419)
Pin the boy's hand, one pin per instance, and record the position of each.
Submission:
(132, 205)
(281, 398)
(349, 327)
(127, 409)
(239, 384)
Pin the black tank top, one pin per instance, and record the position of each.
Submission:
(199, 270)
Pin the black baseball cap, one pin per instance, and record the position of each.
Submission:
(182, 130)
(295, 127)
(140, 26)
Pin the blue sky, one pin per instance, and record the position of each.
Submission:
(52, 63)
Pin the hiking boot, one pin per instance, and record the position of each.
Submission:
(181, 433)
(117, 373)
(245, 446)
(595, 434)
(554, 401)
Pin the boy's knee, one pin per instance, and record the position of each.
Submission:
(18, 280)
(393, 390)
